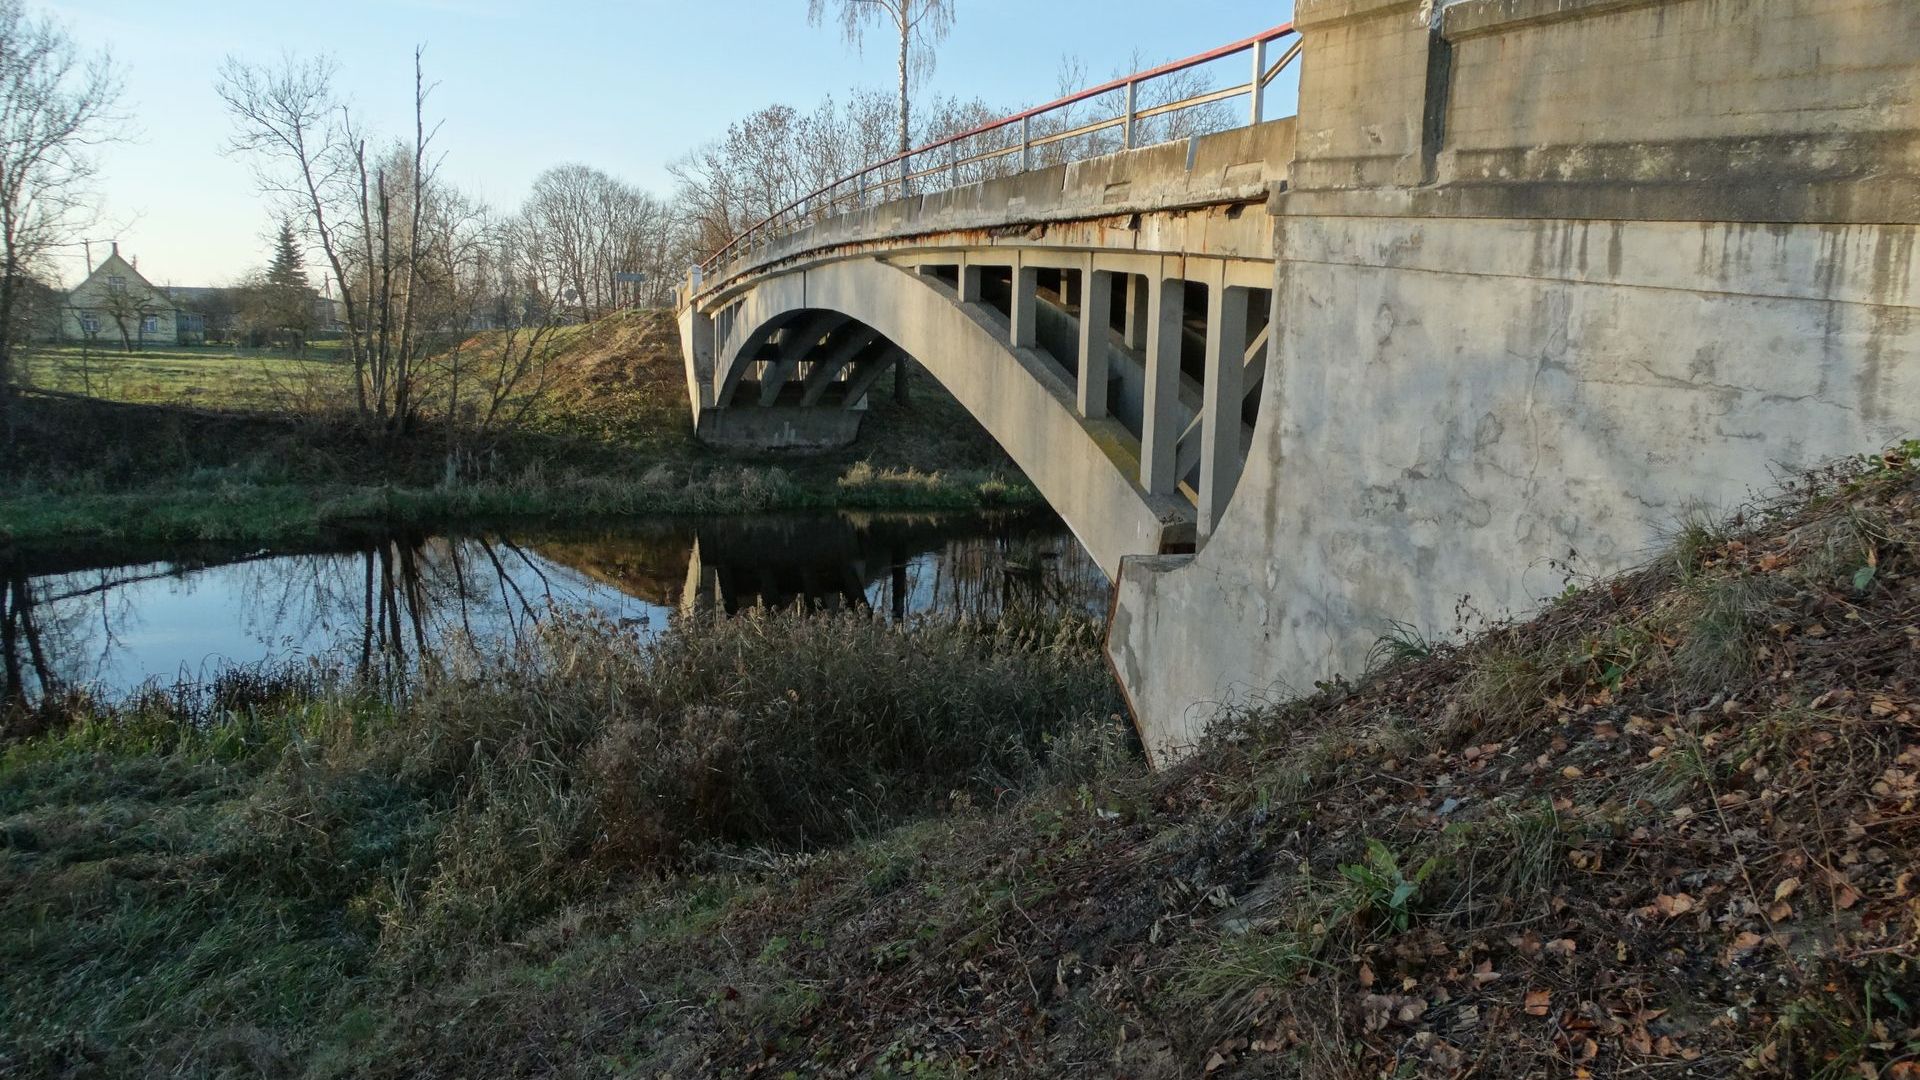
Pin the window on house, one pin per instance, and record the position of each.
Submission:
(116, 283)
(150, 324)
(90, 323)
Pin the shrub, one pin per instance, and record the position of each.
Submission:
(589, 751)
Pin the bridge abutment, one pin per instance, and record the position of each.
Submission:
(779, 427)
(1549, 276)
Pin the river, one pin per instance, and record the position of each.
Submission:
(113, 622)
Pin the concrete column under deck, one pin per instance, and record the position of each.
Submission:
(1160, 419)
(1022, 322)
(1096, 299)
(1220, 410)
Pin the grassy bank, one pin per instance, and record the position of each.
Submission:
(207, 445)
(1669, 827)
(247, 880)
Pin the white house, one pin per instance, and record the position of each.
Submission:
(116, 306)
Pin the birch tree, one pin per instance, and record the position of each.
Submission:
(910, 22)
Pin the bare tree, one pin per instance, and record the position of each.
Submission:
(373, 214)
(581, 226)
(55, 107)
(285, 118)
(922, 22)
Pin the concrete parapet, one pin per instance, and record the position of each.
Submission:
(1242, 165)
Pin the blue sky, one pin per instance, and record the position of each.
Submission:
(626, 87)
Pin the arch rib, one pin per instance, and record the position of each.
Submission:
(1083, 468)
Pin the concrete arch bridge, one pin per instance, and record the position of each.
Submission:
(1521, 277)
(1117, 357)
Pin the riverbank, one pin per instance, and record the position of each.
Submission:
(1669, 826)
(211, 505)
(236, 878)
(187, 446)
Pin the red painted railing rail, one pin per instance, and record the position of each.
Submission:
(897, 174)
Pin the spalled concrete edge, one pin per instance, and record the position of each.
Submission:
(1237, 166)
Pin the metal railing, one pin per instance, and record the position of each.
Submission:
(873, 184)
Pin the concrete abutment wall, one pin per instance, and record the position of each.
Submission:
(1549, 274)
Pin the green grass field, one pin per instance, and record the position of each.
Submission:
(215, 443)
(213, 376)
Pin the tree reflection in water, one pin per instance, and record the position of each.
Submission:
(392, 605)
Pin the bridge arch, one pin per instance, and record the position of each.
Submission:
(794, 356)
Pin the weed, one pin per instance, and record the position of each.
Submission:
(295, 834)
(1699, 533)
(1515, 855)
(1381, 891)
(1721, 635)
(1618, 652)
(1402, 643)
(1506, 681)
(1231, 969)
(1830, 1036)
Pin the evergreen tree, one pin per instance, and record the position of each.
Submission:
(288, 270)
(286, 314)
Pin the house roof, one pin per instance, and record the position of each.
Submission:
(175, 295)
(113, 265)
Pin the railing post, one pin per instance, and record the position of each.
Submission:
(1258, 94)
(860, 191)
(1127, 128)
(1026, 143)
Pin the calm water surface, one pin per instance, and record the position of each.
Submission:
(116, 623)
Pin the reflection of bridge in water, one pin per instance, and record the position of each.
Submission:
(381, 604)
(845, 562)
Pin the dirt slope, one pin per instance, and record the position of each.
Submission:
(1668, 828)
